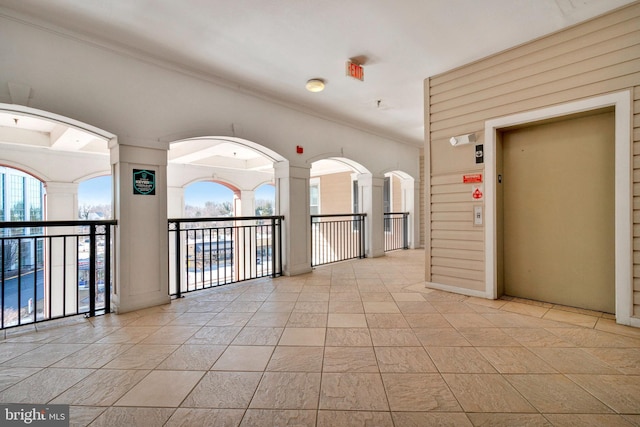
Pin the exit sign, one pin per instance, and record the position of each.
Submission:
(354, 70)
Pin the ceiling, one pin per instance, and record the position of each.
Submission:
(272, 47)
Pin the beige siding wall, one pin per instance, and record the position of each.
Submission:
(587, 60)
(335, 193)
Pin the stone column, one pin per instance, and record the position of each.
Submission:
(370, 190)
(141, 235)
(292, 201)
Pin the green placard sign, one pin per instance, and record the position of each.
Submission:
(144, 182)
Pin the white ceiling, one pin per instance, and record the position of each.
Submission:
(272, 47)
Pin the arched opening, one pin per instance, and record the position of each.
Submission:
(94, 198)
(207, 199)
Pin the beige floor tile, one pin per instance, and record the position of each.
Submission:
(556, 394)
(193, 357)
(343, 337)
(416, 307)
(129, 335)
(380, 307)
(171, 335)
(273, 320)
(346, 306)
(119, 416)
(230, 319)
(93, 356)
(277, 307)
(161, 388)
(491, 303)
(619, 392)
(530, 337)
(505, 319)
(142, 356)
(10, 376)
(386, 320)
(102, 388)
(509, 420)
(10, 350)
(422, 419)
(589, 420)
(610, 325)
(184, 417)
(349, 359)
(526, 309)
(572, 318)
(250, 335)
(407, 296)
(307, 320)
(515, 360)
(354, 419)
(429, 320)
(625, 360)
(450, 307)
(44, 385)
(404, 360)
(486, 393)
(242, 307)
(488, 337)
(440, 337)
(287, 296)
(287, 390)
(350, 296)
(83, 415)
(214, 335)
(418, 392)
(467, 320)
(583, 337)
(193, 319)
(573, 360)
(45, 355)
(346, 320)
(311, 306)
(372, 296)
(244, 358)
(296, 359)
(303, 336)
(223, 390)
(353, 391)
(394, 337)
(279, 417)
(460, 360)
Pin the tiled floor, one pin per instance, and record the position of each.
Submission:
(351, 344)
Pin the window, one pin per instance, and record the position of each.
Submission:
(314, 196)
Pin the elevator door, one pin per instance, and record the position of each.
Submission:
(558, 212)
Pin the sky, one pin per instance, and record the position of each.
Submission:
(97, 191)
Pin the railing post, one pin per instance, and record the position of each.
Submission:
(405, 230)
(274, 234)
(107, 269)
(92, 270)
(178, 256)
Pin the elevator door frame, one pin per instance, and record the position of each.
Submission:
(621, 101)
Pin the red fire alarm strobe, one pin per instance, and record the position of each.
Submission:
(299, 149)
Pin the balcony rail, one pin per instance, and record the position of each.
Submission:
(54, 269)
(209, 252)
(396, 231)
(337, 237)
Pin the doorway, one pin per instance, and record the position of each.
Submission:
(556, 211)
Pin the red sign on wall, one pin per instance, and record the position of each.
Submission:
(472, 178)
(354, 70)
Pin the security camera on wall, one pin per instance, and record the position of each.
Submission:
(462, 139)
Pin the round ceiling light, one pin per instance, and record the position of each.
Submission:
(315, 85)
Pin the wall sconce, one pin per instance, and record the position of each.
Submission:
(462, 139)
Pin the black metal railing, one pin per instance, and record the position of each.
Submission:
(54, 269)
(208, 252)
(396, 231)
(337, 237)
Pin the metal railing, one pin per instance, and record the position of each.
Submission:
(337, 237)
(209, 252)
(396, 231)
(54, 269)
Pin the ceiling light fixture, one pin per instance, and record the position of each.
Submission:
(315, 85)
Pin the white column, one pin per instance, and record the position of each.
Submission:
(62, 201)
(292, 201)
(175, 202)
(141, 236)
(247, 203)
(370, 190)
(410, 203)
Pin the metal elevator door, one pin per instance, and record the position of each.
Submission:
(558, 212)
